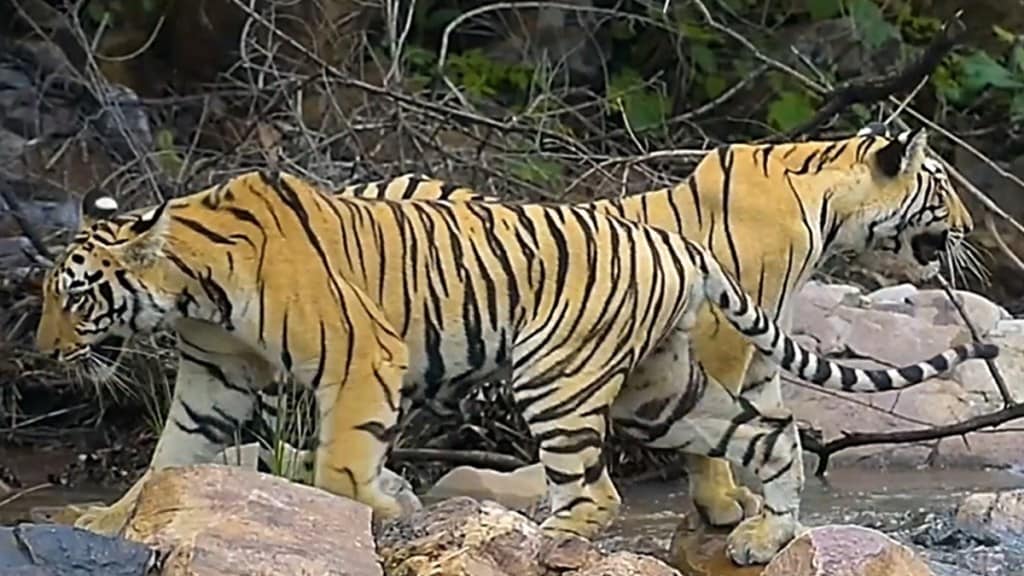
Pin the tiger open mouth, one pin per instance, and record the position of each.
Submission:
(928, 247)
(109, 348)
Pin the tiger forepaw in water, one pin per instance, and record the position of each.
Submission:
(757, 540)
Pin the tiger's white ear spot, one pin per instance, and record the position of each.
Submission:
(105, 204)
(97, 206)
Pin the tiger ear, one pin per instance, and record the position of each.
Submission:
(96, 206)
(150, 230)
(904, 155)
(874, 129)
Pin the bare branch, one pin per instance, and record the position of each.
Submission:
(854, 439)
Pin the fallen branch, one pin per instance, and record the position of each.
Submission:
(479, 458)
(824, 451)
(876, 89)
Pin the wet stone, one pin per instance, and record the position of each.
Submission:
(55, 550)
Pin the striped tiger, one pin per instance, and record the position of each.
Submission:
(772, 214)
(375, 305)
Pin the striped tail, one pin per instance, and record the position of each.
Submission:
(765, 334)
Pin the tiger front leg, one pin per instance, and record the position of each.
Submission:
(213, 397)
(358, 404)
(584, 501)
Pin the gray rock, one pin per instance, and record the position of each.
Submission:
(896, 326)
(55, 550)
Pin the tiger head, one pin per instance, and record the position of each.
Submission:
(99, 292)
(914, 218)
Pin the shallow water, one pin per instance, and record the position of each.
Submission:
(904, 504)
(897, 502)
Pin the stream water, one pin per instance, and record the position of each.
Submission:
(905, 504)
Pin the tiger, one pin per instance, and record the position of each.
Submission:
(877, 196)
(772, 214)
(375, 305)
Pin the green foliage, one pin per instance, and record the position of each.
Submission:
(483, 78)
(872, 27)
(968, 75)
(544, 173)
(789, 110)
(824, 9)
(643, 107)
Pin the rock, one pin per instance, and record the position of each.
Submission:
(464, 537)
(989, 515)
(898, 325)
(224, 521)
(520, 489)
(292, 464)
(845, 551)
(625, 564)
(53, 550)
(699, 550)
(934, 306)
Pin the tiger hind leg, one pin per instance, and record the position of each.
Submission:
(584, 500)
(703, 418)
(720, 501)
(726, 356)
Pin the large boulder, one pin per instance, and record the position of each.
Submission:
(845, 551)
(465, 537)
(896, 326)
(224, 521)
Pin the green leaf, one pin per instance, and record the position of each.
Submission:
(790, 110)
(644, 108)
(695, 32)
(714, 85)
(871, 24)
(946, 86)
(981, 70)
(704, 58)
(537, 171)
(1017, 107)
(823, 9)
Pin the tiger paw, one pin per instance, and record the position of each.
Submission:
(757, 540)
(104, 520)
(725, 508)
(576, 525)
